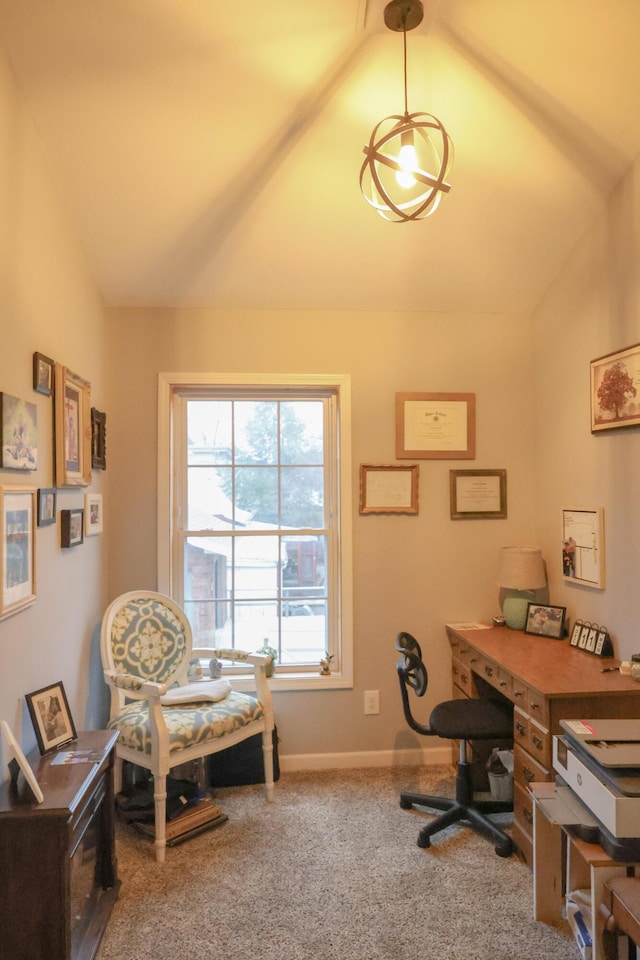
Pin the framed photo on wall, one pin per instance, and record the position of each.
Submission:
(18, 556)
(46, 506)
(478, 494)
(72, 402)
(583, 546)
(435, 426)
(615, 401)
(71, 527)
(98, 439)
(43, 374)
(19, 420)
(92, 514)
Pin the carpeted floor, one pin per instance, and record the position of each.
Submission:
(330, 871)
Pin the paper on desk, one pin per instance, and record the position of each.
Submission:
(469, 626)
(77, 756)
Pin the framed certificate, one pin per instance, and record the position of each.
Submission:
(388, 489)
(436, 426)
(478, 494)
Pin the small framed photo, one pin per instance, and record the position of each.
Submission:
(72, 404)
(388, 489)
(98, 439)
(583, 546)
(614, 396)
(43, 374)
(51, 717)
(72, 527)
(92, 514)
(46, 506)
(19, 764)
(478, 494)
(545, 621)
(18, 552)
(436, 426)
(19, 420)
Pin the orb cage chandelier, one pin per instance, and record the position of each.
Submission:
(408, 157)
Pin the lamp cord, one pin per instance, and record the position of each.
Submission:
(404, 36)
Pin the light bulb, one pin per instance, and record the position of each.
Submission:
(409, 162)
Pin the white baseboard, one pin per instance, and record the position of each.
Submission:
(431, 756)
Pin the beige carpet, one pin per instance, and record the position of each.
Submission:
(330, 871)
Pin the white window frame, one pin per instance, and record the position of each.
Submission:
(168, 385)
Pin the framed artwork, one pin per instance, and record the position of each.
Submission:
(73, 429)
(435, 426)
(72, 527)
(18, 557)
(19, 764)
(388, 489)
(615, 400)
(51, 717)
(545, 621)
(583, 546)
(43, 374)
(46, 506)
(92, 514)
(478, 494)
(19, 433)
(98, 439)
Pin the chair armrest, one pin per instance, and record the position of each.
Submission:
(256, 659)
(136, 687)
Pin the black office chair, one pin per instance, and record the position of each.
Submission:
(462, 720)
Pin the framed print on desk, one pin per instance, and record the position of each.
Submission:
(52, 721)
(435, 426)
(388, 489)
(478, 494)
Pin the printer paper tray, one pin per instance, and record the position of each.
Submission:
(561, 805)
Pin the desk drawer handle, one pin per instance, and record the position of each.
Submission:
(503, 683)
(528, 774)
(537, 742)
(473, 660)
(464, 677)
(535, 706)
(527, 814)
(455, 671)
(520, 727)
(518, 693)
(488, 671)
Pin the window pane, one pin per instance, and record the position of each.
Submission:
(255, 431)
(209, 506)
(208, 431)
(208, 568)
(304, 633)
(257, 565)
(256, 495)
(302, 431)
(302, 497)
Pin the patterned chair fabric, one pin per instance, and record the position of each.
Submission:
(146, 646)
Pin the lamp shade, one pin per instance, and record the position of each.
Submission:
(520, 572)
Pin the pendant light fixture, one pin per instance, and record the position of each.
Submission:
(408, 157)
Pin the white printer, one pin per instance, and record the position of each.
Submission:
(599, 761)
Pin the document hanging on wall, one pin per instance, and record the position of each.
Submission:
(583, 546)
(436, 426)
(388, 489)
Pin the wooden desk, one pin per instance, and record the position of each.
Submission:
(547, 681)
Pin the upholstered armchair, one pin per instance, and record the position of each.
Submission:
(164, 721)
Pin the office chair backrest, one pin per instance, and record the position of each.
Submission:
(412, 673)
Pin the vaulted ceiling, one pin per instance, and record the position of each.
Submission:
(208, 152)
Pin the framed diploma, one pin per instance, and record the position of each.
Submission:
(388, 489)
(478, 494)
(435, 426)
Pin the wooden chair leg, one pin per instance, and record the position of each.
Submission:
(267, 753)
(160, 817)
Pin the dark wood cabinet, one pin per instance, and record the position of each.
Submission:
(58, 871)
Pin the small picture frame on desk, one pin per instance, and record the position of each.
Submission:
(51, 718)
(545, 621)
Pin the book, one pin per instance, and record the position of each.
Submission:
(202, 814)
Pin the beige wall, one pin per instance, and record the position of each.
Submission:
(48, 304)
(411, 573)
(591, 310)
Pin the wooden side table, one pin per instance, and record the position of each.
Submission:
(619, 913)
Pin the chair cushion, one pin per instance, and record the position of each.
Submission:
(186, 724)
(209, 691)
(472, 720)
(147, 640)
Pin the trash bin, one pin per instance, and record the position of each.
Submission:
(500, 773)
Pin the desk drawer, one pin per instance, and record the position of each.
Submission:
(526, 769)
(461, 674)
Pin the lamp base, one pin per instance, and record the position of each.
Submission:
(514, 611)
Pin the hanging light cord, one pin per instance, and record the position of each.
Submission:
(404, 37)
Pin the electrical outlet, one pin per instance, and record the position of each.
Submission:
(371, 701)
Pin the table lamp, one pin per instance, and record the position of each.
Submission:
(520, 573)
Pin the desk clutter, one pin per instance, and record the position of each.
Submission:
(591, 638)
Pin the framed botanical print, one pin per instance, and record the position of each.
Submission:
(72, 403)
(18, 555)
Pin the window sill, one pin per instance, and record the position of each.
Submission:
(280, 682)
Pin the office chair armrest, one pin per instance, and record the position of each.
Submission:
(136, 688)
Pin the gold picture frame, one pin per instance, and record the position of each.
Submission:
(435, 426)
(386, 488)
(18, 554)
(72, 401)
(478, 494)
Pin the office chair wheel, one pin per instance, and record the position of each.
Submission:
(504, 849)
(405, 804)
(423, 842)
